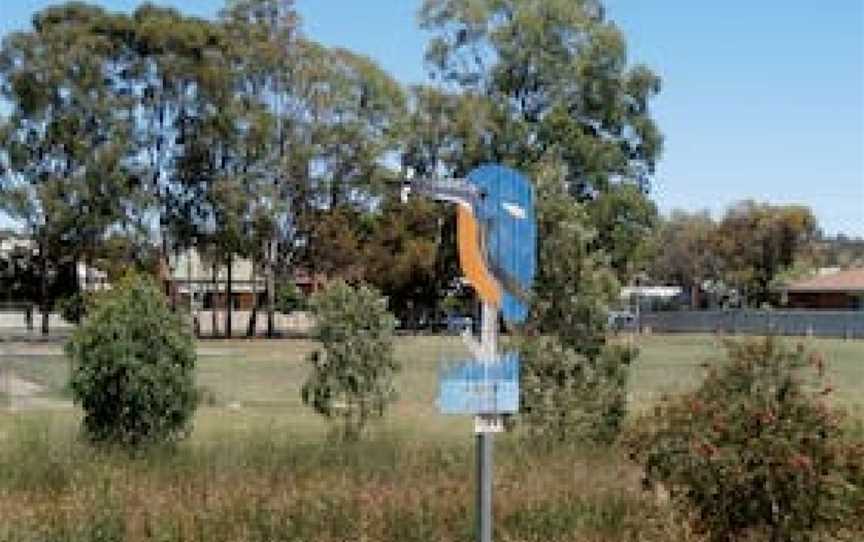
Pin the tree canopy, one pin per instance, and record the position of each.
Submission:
(747, 249)
(156, 132)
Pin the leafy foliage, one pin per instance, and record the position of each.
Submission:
(352, 374)
(133, 363)
(575, 284)
(65, 168)
(685, 252)
(407, 260)
(73, 308)
(289, 298)
(558, 80)
(573, 384)
(757, 241)
(567, 397)
(625, 219)
(755, 449)
(752, 247)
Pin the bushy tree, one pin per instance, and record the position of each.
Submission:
(685, 252)
(568, 397)
(132, 367)
(756, 241)
(755, 451)
(573, 384)
(405, 257)
(352, 374)
(557, 77)
(575, 284)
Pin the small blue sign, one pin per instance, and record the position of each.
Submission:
(472, 387)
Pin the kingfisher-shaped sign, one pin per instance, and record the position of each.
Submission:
(502, 222)
(497, 245)
(497, 238)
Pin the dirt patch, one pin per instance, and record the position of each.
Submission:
(24, 394)
(18, 387)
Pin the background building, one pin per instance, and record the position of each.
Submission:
(831, 289)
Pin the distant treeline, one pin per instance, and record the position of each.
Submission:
(134, 136)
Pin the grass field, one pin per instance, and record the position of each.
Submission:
(259, 466)
(260, 380)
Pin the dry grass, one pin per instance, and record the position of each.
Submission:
(386, 489)
(259, 466)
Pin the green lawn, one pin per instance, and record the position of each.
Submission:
(250, 385)
(674, 363)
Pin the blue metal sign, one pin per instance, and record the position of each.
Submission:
(473, 387)
(505, 208)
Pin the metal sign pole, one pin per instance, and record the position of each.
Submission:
(484, 487)
(488, 347)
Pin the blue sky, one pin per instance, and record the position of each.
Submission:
(761, 100)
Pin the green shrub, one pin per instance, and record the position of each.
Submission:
(132, 367)
(574, 384)
(73, 308)
(352, 375)
(568, 397)
(755, 452)
(289, 298)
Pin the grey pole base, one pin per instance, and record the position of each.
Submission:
(484, 487)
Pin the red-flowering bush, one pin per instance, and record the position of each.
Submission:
(755, 451)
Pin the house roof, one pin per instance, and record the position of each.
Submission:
(850, 280)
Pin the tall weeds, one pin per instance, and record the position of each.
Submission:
(276, 487)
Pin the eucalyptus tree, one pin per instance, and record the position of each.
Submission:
(558, 83)
(353, 110)
(211, 159)
(176, 63)
(265, 57)
(67, 174)
(198, 135)
(559, 69)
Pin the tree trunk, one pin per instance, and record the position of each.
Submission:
(169, 279)
(271, 287)
(213, 296)
(43, 300)
(229, 305)
(189, 281)
(252, 329)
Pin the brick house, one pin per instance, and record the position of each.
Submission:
(838, 290)
(196, 284)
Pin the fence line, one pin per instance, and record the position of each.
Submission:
(14, 324)
(843, 324)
